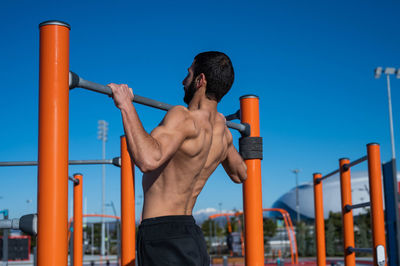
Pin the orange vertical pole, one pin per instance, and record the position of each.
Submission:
(78, 239)
(319, 220)
(294, 238)
(252, 192)
(289, 236)
(241, 233)
(347, 216)
(52, 242)
(375, 186)
(128, 225)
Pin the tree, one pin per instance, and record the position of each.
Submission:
(211, 227)
(330, 238)
(269, 231)
(301, 238)
(363, 232)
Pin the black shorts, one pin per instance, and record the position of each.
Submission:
(171, 240)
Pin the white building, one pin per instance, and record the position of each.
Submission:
(331, 196)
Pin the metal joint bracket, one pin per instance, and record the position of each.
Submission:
(351, 249)
(116, 161)
(247, 130)
(74, 180)
(233, 116)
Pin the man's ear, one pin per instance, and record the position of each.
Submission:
(201, 80)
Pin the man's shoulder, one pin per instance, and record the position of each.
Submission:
(178, 112)
(180, 118)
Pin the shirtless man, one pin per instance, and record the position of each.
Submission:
(177, 158)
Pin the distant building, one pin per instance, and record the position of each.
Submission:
(331, 194)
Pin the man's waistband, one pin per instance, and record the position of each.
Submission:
(182, 219)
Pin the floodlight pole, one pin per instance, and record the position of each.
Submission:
(391, 117)
(296, 172)
(389, 71)
(102, 135)
(390, 180)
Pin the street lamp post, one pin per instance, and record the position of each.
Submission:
(389, 71)
(390, 181)
(102, 135)
(296, 172)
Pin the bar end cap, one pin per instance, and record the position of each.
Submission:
(54, 22)
(246, 96)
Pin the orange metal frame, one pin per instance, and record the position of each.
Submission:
(290, 231)
(319, 221)
(78, 228)
(227, 216)
(288, 225)
(52, 240)
(252, 192)
(376, 203)
(52, 243)
(347, 217)
(375, 187)
(128, 250)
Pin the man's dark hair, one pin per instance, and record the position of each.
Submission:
(218, 70)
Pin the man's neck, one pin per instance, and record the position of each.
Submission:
(200, 101)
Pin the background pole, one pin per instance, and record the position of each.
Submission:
(375, 186)
(347, 216)
(252, 192)
(78, 188)
(128, 225)
(52, 240)
(319, 221)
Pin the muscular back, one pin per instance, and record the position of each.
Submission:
(172, 188)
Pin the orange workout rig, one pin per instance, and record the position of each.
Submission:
(288, 225)
(54, 86)
(376, 203)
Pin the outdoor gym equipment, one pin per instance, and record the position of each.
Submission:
(54, 81)
(376, 203)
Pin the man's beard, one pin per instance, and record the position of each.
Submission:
(189, 93)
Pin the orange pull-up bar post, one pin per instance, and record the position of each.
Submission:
(52, 240)
(127, 207)
(377, 215)
(347, 216)
(319, 220)
(78, 214)
(252, 192)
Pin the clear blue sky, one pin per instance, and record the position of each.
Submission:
(311, 63)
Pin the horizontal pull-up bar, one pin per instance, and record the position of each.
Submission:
(345, 168)
(328, 175)
(361, 250)
(348, 207)
(76, 81)
(115, 161)
(74, 180)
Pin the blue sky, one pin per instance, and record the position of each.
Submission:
(311, 63)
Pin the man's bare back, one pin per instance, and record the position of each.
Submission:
(179, 155)
(173, 188)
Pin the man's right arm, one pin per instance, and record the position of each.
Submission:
(234, 165)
